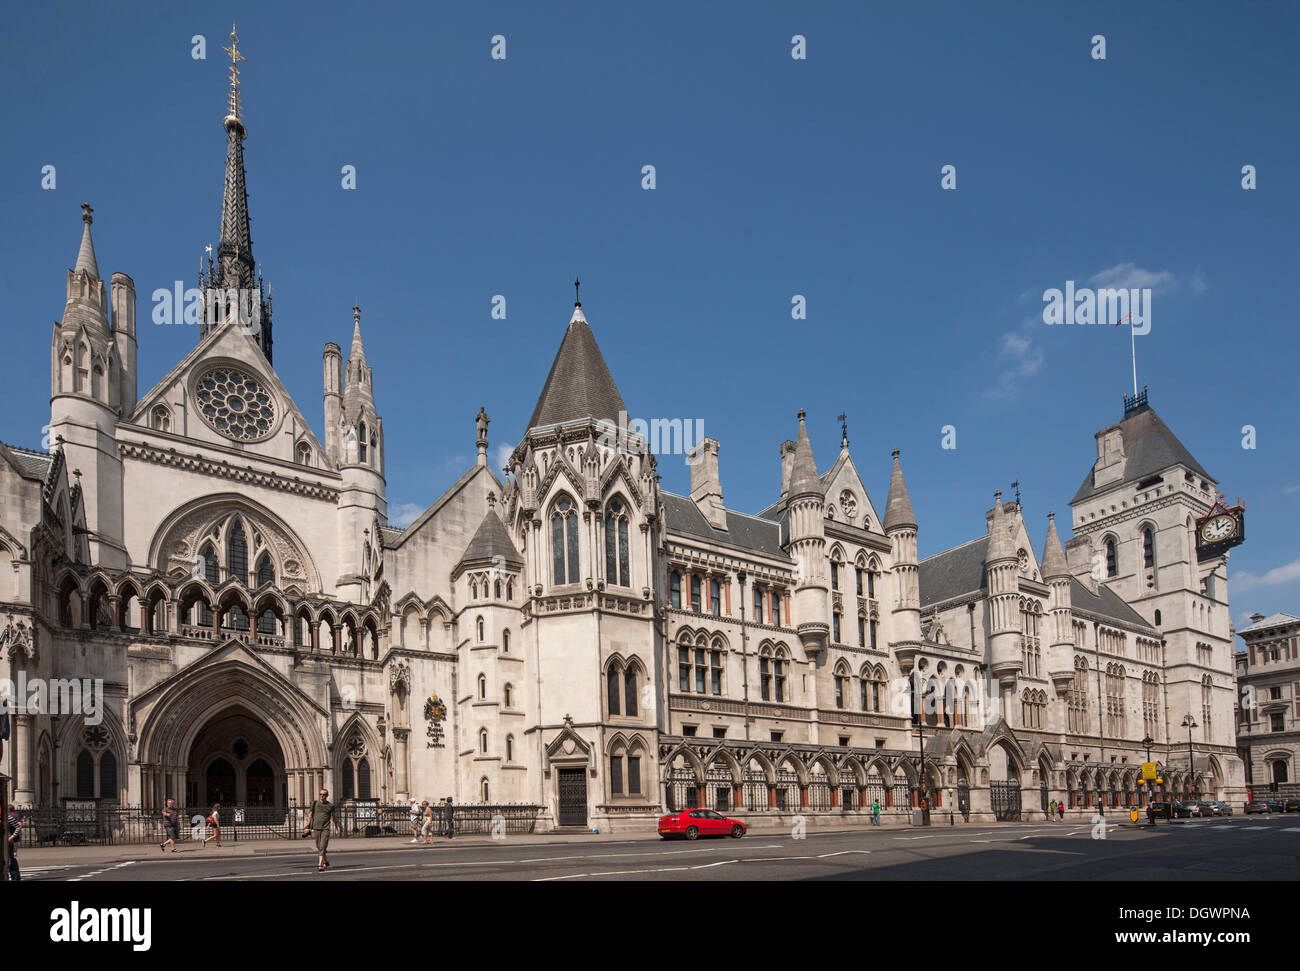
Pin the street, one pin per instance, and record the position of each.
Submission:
(1233, 848)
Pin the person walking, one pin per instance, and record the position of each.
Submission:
(320, 817)
(426, 828)
(417, 818)
(214, 823)
(450, 821)
(1051, 812)
(171, 826)
(875, 812)
(1060, 811)
(13, 831)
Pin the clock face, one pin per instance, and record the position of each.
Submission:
(1218, 529)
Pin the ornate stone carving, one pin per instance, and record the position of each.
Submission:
(19, 639)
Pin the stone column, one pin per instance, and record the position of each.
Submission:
(24, 791)
(401, 738)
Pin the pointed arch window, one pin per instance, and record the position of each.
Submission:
(161, 419)
(1112, 558)
(505, 642)
(616, 544)
(835, 576)
(237, 553)
(612, 686)
(265, 571)
(483, 741)
(304, 453)
(630, 691)
(564, 542)
(480, 629)
(482, 686)
(362, 443)
(1148, 548)
(85, 775)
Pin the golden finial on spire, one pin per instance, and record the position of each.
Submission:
(235, 58)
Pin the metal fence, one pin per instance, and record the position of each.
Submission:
(126, 825)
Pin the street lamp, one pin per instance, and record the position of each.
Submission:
(1189, 723)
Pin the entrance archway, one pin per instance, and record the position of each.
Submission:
(236, 760)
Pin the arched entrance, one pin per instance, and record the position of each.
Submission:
(1004, 784)
(236, 760)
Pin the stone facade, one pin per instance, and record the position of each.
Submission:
(1268, 704)
(568, 635)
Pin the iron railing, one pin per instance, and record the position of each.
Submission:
(127, 825)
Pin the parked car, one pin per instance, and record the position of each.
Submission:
(1263, 806)
(1171, 810)
(1203, 809)
(1292, 806)
(694, 823)
(1225, 809)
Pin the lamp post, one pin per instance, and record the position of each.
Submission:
(1189, 723)
(920, 734)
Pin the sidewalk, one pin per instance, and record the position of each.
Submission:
(89, 855)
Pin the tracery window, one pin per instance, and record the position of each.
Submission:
(616, 544)
(564, 542)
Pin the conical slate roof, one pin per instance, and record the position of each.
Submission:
(1054, 564)
(898, 507)
(579, 385)
(86, 255)
(803, 474)
(1001, 543)
(491, 544)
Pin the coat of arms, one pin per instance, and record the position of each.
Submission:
(435, 712)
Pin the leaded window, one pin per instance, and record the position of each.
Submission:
(564, 542)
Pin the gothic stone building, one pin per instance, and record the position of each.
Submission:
(567, 636)
(1268, 704)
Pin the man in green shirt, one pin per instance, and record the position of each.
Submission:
(320, 817)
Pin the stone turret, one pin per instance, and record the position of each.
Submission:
(807, 509)
(1056, 572)
(1001, 566)
(362, 495)
(900, 527)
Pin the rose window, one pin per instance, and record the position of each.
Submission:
(236, 404)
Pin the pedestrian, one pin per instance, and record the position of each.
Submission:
(450, 821)
(12, 836)
(426, 829)
(1060, 811)
(1151, 812)
(1051, 812)
(214, 822)
(417, 816)
(320, 818)
(875, 812)
(171, 826)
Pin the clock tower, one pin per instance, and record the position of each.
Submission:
(1159, 539)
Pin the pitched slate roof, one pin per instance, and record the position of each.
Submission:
(489, 542)
(953, 572)
(1273, 620)
(1149, 447)
(681, 515)
(579, 385)
(30, 464)
(1106, 603)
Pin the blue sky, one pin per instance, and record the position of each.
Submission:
(775, 177)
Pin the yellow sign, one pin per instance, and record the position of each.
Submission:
(1133, 815)
(1148, 771)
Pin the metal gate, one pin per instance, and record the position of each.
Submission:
(963, 800)
(1005, 797)
(573, 797)
(683, 791)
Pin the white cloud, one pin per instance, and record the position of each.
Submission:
(1021, 359)
(1291, 489)
(1245, 580)
(1198, 283)
(1128, 276)
(403, 515)
(503, 457)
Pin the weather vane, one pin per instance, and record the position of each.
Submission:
(235, 58)
(844, 428)
(577, 299)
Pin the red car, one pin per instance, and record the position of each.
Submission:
(694, 823)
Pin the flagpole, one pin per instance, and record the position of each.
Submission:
(1133, 340)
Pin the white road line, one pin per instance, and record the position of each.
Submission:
(842, 853)
(95, 873)
(1292, 829)
(1254, 827)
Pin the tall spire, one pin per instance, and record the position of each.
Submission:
(803, 475)
(579, 384)
(86, 255)
(235, 269)
(898, 507)
(1002, 544)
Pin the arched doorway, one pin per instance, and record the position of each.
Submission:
(1004, 784)
(236, 760)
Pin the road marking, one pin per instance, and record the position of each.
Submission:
(1254, 827)
(95, 873)
(1292, 829)
(842, 853)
